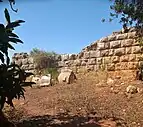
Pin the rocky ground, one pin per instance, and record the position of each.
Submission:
(94, 100)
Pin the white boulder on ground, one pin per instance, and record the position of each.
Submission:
(131, 89)
(36, 79)
(46, 80)
(66, 76)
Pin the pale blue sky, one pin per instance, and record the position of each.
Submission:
(64, 26)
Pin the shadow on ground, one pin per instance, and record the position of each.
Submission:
(65, 120)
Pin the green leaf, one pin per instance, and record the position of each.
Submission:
(14, 24)
(10, 46)
(15, 40)
(1, 57)
(12, 35)
(7, 16)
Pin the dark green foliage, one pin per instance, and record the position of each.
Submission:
(130, 12)
(12, 78)
(44, 59)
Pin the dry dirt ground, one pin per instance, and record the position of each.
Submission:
(89, 102)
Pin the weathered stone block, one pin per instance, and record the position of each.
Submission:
(132, 57)
(99, 60)
(127, 42)
(65, 57)
(25, 67)
(115, 44)
(122, 36)
(111, 38)
(104, 52)
(86, 55)
(25, 61)
(119, 52)
(91, 61)
(111, 52)
(107, 45)
(83, 63)
(115, 59)
(77, 62)
(72, 56)
(111, 67)
(61, 64)
(106, 60)
(136, 49)
(94, 54)
(80, 55)
(128, 50)
(124, 65)
(31, 66)
(132, 65)
(18, 62)
(124, 58)
(104, 39)
(90, 67)
(139, 57)
(132, 35)
(30, 60)
(100, 46)
(118, 66)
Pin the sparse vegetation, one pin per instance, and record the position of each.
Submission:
(46, 62)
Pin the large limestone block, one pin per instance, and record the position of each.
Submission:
(99, 60)
(18, 62)
(124, 58)
(111, 38)
(128, 50)
(111, 52)
(45, 80)
(124, 65)
(25, 61)
(91, 61)
(94, 54)
(119, 52)
(104, 53)
(106, 60)
(66, 76)
(30, 60)
(115, 59)
(115, 44)
(25, 67)
(118, 66)
(61, 64)
(122, 36)
(127, 42)
(132, 57)
(104, 39)
(132, 65)
(132, 35)
(65, 57)
(136, 49)
(72, 56)
(100, 46)
(107, 45)
(111, 67)
(86, 55)
(77, 62)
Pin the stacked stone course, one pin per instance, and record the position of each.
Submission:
(119, 51)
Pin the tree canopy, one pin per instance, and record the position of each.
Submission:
(130, 12)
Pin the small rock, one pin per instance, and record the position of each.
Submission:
(110, 81)
(131, 89)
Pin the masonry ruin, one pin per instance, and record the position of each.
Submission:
(118, 51)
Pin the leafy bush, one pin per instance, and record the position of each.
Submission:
(12, 78)
(45, 62)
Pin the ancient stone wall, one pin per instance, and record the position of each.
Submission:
(118, 51)
(24, 61)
